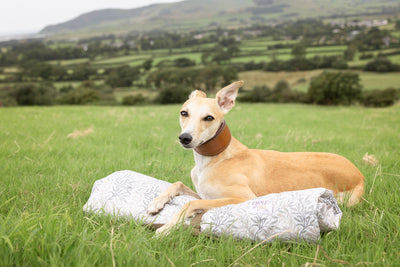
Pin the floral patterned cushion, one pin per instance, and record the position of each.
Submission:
(288, 216)
(128, 193)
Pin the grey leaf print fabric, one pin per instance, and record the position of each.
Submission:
(288, 216)
(127, 193)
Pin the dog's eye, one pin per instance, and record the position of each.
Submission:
(184, 113)
(209, 118)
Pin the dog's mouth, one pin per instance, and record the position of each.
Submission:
(191, 145)
(187, 146)
(186, 140)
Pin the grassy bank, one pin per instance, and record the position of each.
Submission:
(46, 178)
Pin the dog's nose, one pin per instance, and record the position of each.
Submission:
(185, 138)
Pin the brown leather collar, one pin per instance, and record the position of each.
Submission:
(217, 144)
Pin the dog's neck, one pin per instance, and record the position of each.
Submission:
(218, 143)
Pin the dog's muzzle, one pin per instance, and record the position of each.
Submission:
(185, 139)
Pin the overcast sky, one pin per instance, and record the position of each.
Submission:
(29, 16)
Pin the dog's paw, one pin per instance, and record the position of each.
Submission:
(163, 231)
(157, 204)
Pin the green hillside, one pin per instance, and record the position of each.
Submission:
(203, 14)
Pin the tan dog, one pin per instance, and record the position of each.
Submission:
(227, 172)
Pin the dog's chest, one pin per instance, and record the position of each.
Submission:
(201, 181)
(204, 188)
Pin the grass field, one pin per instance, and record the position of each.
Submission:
(257, 54)
(131, 59)
(46, 178)
(70, 62)
(300, 80)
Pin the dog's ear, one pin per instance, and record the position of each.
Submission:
(227, 95)
(197, 93)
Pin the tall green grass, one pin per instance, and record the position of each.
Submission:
(46, 178)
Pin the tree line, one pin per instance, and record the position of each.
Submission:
(170, 77)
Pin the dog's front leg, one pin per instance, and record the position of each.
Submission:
(174, 190)
(194, 208)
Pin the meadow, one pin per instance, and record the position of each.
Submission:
(46, 178)
(300, 80)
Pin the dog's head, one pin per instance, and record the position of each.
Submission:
(201, 117)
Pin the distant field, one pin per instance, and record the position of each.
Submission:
(258, 78)
(373, 80)
(69, 62)
(262, 43)
(122, 60)
(119, 94)
(361, 62)
(46, 178)
(58, 85)
(250, 50)
(10, 70)
(192, 56)
(395, 59)
(255, 58)
(135, 59)
(300, 80)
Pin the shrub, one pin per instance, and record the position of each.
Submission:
(7, 96)
(209, 77)
(8, 101)
(381, 64)
(299, 51)
(122, 76)
(290, 65)
(340, 64)
(66, 88)
(26, 95)
(79, 96)
(258, 94)
(184, 62)
(280, 94)
(147, 64)
(221, 56)
(350, 52)
(131, 100)
(335, 88)
(173, 94)
(316, 62)
(281, 85)
(380, 98)
(366, 56)
(35, 94)
(35, 69)
(82, 72)
(292, 96)
(251, 65)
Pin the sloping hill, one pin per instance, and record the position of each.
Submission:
(201, 14)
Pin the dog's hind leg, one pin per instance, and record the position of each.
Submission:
(174, 190)
(356, 194)
(352, 197)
